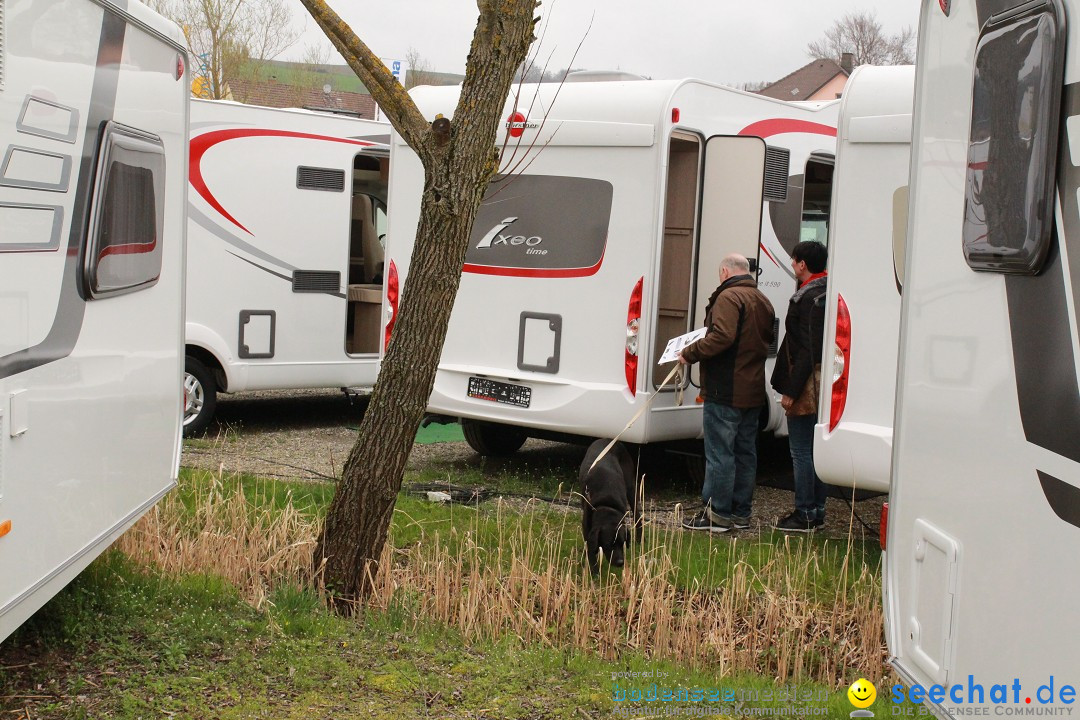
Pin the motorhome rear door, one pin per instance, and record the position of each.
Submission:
(733, 182)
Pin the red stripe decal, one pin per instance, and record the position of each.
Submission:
(202, 143)
(769, 255)
(128, 249)
(533, 272)
(780, 126)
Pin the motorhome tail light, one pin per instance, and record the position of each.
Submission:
(179, 66)
(391, 302)
(633, 324)
(5, 528)
(675, 114)
(883, 530)
(841, 362)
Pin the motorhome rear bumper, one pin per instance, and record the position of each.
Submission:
(594, 410)
(854, 455)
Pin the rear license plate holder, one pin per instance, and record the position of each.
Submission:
(500, 392)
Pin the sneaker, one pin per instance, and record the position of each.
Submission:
(703, 521)
(796, 523)
(740, 523)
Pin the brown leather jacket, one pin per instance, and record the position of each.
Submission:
(732, 353)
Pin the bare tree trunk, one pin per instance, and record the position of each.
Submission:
(459, 158)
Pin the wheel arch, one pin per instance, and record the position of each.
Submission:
(208, 347)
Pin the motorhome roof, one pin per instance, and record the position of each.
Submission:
(637, 101)
(354, 125)
(880, 91)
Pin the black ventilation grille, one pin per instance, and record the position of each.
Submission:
(775, 337)
(777, 164)
(316, 281)
(314, 178)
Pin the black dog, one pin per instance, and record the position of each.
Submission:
(610, 502)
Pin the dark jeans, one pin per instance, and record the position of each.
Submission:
(809, 490)
(730, 458)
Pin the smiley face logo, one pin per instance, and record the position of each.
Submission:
(862, 693)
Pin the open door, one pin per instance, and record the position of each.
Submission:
(733, 182)
(363, 328)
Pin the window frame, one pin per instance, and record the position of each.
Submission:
(118, 136)
(1029, 257)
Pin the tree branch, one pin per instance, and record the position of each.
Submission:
(499, 33)
(391, 97)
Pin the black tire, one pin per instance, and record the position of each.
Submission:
(200, 397)
(492, 439)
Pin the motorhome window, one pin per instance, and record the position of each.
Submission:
(817, 198)
(541, 226)
(124, 252)
(1009, 200)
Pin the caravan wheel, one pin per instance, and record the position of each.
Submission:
(492, 439)
(200, 396)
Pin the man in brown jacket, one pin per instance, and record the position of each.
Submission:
(732, 356)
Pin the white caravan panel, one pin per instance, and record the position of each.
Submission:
(285, 258)
(731, 217)
(93, 131)
(986, 458)
(853, 437)
(598, 230)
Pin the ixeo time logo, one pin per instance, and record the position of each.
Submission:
(973, 699)
(498, 236)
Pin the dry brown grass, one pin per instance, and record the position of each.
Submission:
(763, 620)
(734, 617)
(256, 548)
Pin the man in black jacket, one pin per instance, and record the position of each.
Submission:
(732, 356)
(797, 377)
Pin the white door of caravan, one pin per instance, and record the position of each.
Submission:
(733, 183)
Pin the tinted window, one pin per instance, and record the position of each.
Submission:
(125, 241)
(541, 226)
(1008, 208)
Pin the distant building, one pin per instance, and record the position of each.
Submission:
(281, 95)
(333, 88)
(817, 80)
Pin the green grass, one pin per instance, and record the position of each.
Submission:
(698, 557)
(127, 643)
(311, 498)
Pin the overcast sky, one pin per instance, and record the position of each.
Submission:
(718, 40)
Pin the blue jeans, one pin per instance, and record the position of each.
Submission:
(730, 458)
(809, 490)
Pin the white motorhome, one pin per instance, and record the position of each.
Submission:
(93, 131)
(984, 516)
(285, 217)
(602, 239)
(853, 437)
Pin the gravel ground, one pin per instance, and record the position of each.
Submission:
(307, 434)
